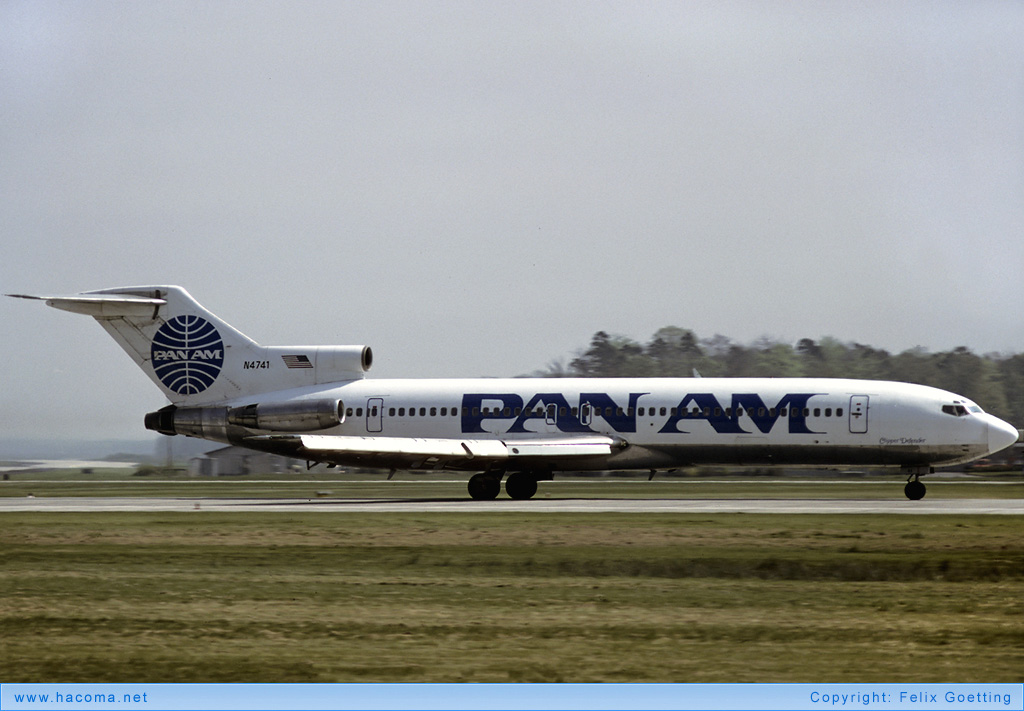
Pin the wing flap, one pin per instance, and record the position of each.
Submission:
(413, 446)
(415, 451)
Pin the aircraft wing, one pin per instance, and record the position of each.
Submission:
(433, 453)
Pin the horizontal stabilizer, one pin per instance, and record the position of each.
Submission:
(102, 306)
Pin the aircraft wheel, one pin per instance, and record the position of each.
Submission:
(520, 486)
(484, 487)
(914, 490)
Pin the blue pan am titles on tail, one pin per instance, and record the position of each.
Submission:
(315, 403)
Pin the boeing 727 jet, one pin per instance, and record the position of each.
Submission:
(315, 403)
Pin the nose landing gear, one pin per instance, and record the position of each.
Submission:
(914, 489)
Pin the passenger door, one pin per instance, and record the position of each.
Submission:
(859, 414)
(375, 414)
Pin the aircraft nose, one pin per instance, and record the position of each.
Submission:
(1001, 435)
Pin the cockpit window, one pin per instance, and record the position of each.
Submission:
(957, 410)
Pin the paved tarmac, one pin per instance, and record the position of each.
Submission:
(568, 505)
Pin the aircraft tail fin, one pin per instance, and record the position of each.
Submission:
(194, 357)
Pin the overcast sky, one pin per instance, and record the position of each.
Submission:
(474, 189)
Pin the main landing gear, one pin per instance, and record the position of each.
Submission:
(914, 489)
(484, 486)
(519, 485)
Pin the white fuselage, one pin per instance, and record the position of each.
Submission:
(663, 423)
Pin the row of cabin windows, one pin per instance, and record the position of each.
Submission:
(400, 412)
(606, 412)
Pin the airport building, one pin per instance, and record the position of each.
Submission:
(238, 461)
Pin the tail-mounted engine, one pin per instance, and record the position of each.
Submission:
(318, 364)
(289, 416)
(213, 422)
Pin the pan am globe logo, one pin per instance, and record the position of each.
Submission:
(188, 354)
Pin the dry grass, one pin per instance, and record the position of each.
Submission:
(510, 597)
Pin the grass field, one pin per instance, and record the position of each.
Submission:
(199, 596)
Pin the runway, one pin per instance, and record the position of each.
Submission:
(1012, 507)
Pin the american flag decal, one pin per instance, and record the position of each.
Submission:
(296, 361)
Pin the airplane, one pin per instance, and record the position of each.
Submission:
(315, 403)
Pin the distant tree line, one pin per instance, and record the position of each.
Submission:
(994, 381)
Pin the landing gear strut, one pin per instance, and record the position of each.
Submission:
(914, 489)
